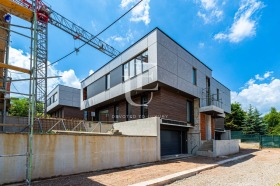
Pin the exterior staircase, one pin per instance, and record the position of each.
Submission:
(206, 149)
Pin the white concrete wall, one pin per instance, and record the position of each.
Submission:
(225, 147)
(141, 127)
(56, 155)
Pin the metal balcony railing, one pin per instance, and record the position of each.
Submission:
(209, 99)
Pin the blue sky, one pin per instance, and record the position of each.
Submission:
(239, 40)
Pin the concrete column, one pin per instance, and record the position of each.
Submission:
(194, 133)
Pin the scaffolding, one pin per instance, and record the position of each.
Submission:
(32, 87)
(40, 16)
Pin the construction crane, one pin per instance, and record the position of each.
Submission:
(45, 15)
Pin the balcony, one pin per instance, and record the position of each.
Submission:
(211, 105)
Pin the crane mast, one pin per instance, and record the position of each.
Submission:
(45, 16)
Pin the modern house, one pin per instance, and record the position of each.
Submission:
(64, 102)
(156, 76)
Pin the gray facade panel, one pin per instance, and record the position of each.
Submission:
(167, 59)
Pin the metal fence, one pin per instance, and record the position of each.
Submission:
(264, 140)
(270, 141)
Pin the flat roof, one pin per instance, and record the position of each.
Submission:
(156, 28)
(63, 86)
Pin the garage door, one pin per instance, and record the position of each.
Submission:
(170, 142)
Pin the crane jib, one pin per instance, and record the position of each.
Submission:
(23, 9)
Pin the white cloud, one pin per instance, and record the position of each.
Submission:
(140, 12)
(69, 78)
(121, 40)
(209, 11)
(262, 95)
(244, 24)
(208, 4)
(201, 45)
(265, 76)
(19, 58)
(90, 72)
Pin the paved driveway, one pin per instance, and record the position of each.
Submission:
(136, 174)
(260, 170)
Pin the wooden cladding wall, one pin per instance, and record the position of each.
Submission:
(202, 126)
(164, 103)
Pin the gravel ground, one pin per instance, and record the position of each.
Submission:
(263, 168)
(136, 174)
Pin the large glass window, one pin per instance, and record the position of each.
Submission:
(145, 59)
(131, 68)
(126, 71)
(190, 111)
(138, 64)
(194, 76)
(107, 81)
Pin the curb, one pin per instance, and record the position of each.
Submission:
(185, 174)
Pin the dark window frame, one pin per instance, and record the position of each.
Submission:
(107, 84)
(85, 93)
(190, 111)
(143, 101)
(134, 64)
(128, 111)
(194, 76)
(116, 112)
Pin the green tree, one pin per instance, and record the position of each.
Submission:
(253, 122)
(19, 107)
(272, 120)
(247, 127)
(258, 125)
(235, 120)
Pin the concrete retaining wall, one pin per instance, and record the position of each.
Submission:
(140, 127)
(225, 147)
(56, 155)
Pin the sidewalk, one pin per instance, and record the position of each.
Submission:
(140, 173)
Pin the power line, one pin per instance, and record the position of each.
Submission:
(77, 49)
(15, 87)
